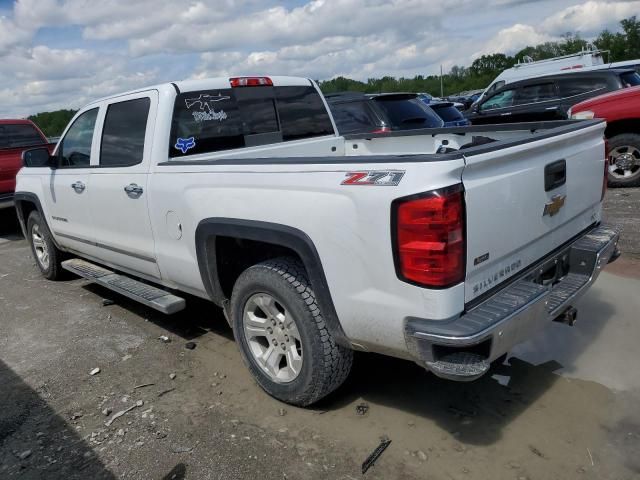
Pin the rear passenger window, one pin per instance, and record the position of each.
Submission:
(302, 113)
(630, 79)
(123, 133)
(577, 86)
(540, 92)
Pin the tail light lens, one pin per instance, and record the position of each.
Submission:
(382, 130)
(429, 238)
(605, 178)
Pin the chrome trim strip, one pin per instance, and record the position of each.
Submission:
(106, 247)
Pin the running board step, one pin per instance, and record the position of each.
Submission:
(153, 297)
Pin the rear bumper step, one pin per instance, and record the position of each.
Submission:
(515, 313)
(153, 297)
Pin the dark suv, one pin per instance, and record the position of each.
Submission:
(549, 97)
(356, 112)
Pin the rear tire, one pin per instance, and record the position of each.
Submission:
(47, 256)
(282, 336)
(624, 160)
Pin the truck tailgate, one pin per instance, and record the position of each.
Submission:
(511, 220)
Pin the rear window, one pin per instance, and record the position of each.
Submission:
(408, 113)
(206, 121)
(577, 86)
(19, 135)
(352, 117)
(302, 113)
(217, 120)
(448, 113)
(630, 79)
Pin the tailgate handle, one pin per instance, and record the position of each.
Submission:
(555, 175)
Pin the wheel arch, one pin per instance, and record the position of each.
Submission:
(27, 202)
(210, 233)
(618, 127)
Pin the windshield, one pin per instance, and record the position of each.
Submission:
(408, 113)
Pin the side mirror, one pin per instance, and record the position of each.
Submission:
(38, 157)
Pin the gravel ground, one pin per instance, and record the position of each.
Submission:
(552, 411)
(622, 207)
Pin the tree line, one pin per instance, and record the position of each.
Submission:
(622, 45)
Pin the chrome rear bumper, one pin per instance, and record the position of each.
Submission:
(514, 313)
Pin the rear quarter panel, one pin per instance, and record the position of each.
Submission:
(349, 226)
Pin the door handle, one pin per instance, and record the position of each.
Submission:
(551, 108)
(505, 114)
(133, 190)
(78, 186)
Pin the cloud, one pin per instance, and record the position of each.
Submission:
(513, 39)
(42, 78)
(589, 18)
(126, 44)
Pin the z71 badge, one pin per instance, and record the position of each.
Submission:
(383, 178)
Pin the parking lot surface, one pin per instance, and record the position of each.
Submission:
(563, 406)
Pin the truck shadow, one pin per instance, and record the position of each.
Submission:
(35, 442)
(197, 319)
(475, 413)
(9, 226)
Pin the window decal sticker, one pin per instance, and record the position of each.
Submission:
(184, 144)
(206, 110)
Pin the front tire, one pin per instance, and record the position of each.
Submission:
(282, 336)
(47, 256)
(624, 160)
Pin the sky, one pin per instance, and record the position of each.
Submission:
(64, 53)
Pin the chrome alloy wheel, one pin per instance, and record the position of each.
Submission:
(273, 338)
(40, 247)
(624, 162)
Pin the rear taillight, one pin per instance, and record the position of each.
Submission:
(429, 243)
(382, 130)
(250, 82)
(605, 178)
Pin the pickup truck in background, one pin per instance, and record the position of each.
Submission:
(621, 110)
(15, 137)
(443, 246)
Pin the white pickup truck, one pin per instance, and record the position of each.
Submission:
(443, 246)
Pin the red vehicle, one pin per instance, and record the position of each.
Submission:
(15, 137)
(621, 110)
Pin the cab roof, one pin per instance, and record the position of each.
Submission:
(208, 84)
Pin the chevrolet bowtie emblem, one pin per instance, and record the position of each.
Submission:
(554, 206)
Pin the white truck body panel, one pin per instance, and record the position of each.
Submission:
(298, 184)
